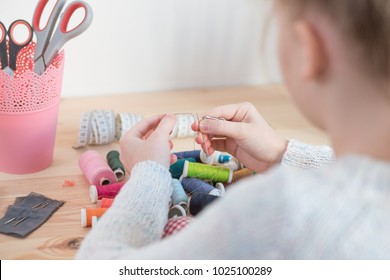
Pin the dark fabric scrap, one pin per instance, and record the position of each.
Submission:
(34, 208)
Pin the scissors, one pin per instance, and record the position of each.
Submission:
(50, 40)
(8, 62)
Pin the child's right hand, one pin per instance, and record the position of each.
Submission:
(243, 134)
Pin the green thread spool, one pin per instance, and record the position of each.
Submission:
(116, 165)
(176, 169)
(207, 172)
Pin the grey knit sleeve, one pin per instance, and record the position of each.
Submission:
(306, 156)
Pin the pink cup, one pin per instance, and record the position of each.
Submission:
(29, 106)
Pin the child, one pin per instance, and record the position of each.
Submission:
(312, 203)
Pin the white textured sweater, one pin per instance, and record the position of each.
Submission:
(324, 209)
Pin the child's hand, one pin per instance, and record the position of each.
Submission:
(148, 140)
(244, 134)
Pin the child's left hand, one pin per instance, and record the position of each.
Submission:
(149, 140)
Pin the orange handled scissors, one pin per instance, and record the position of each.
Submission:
(50, 39)
(8, 56)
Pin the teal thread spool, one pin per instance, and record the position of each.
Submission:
(116, 165)
(207, 172)
(216, 158)
(176, 169)
(221, 159)
(179, 196)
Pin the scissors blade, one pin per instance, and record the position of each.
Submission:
(61, 35)
(39, 66)
(9, 71)
(44, 35)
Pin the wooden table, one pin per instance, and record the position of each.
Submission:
(61, 235)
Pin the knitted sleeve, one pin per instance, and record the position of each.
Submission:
(306, 156)
(136, 218)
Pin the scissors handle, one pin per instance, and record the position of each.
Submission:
(44, 34)
(62, 34)
(14, 45)
(3, 46)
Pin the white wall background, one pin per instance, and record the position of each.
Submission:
(152, 45)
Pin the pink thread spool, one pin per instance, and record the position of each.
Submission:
(96, 169)
(108, 191)
(29, 106)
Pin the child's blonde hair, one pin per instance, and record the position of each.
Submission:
(366, 22)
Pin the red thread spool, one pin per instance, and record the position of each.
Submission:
(96, 169)
(88, 213)
(107, 191)
(106, 202)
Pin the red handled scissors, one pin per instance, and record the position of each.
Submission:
(50, 39)
(8, 56)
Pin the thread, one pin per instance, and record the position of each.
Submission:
(96, 169)
(176, 169)
(240, 174)
(221, 188)
(195, 185)
(207, 172)
(195, 154)
(199, 201)
(233, 164)
(107, 191)
(116, 165)
(88, 213)
(222, 159)
(179, 196)
(176, 211)
(106, 202)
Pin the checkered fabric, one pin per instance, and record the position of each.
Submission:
(175, 225)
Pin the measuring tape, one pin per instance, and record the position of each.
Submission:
(100, 127)
(96, 128)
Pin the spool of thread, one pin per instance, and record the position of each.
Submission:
(189, 154)
(222, 159)
(207, 172)
(176, 211)
(116, 165)
(194, 185)
(108, 191)
(199, 201)
(106, 202)
(96, 169)
(175, 225)
(176, 169)
(179, 196)
(221, 188)
(94, 221)
(233, 164)
(240, 174)
(88, 213)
